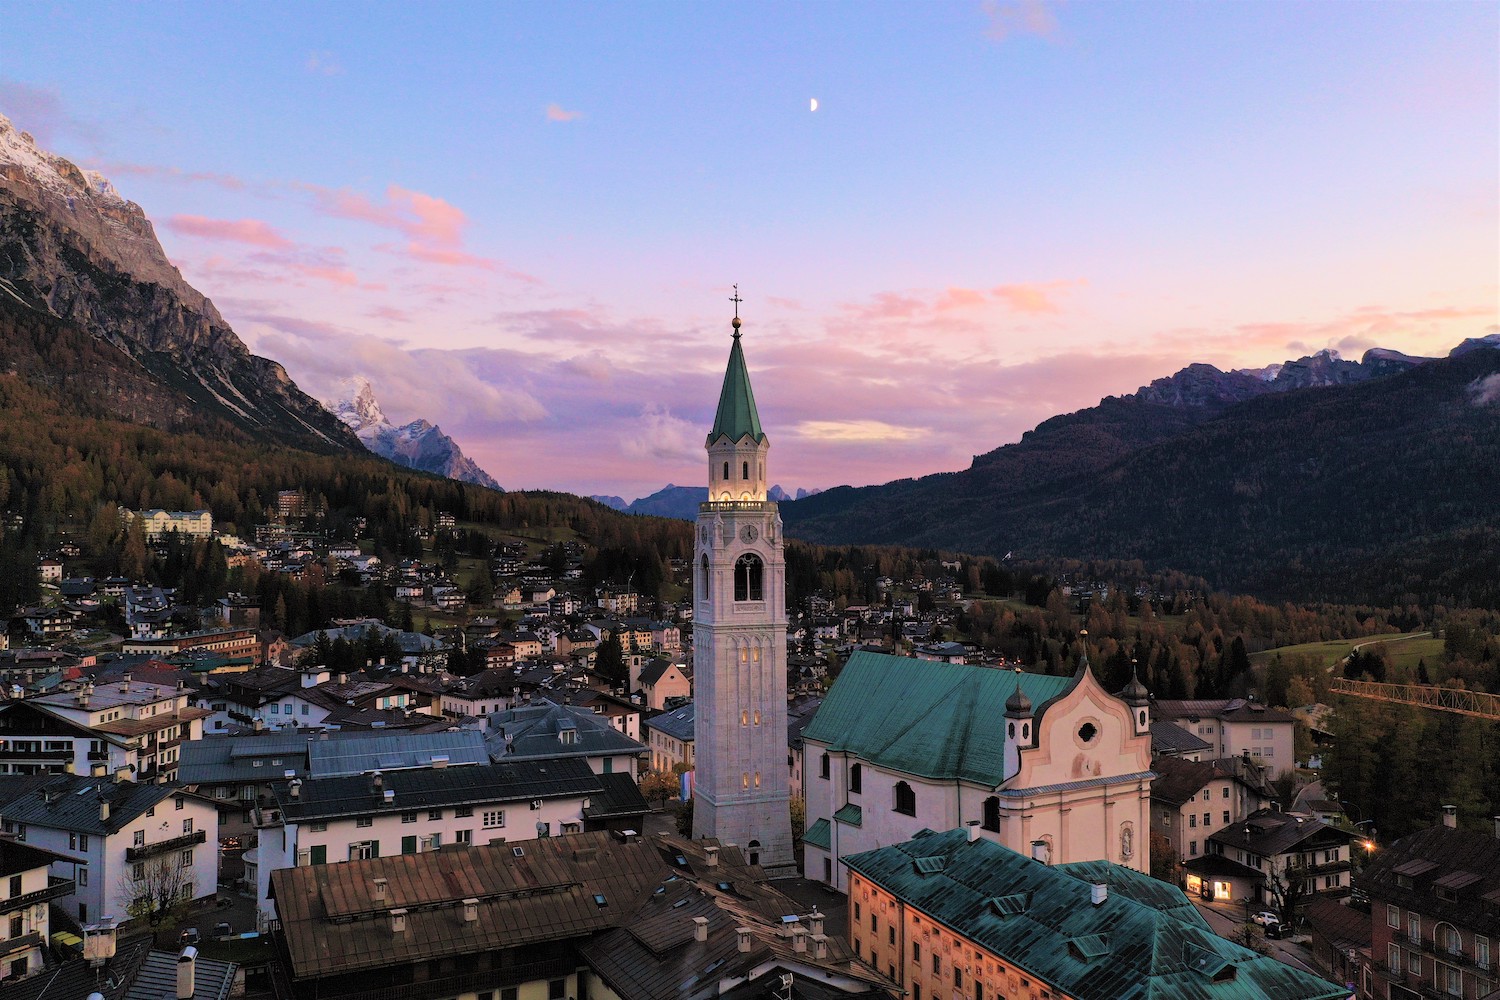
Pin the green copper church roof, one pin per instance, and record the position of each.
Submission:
(1143, 941)
(737, 416)
(924, 717)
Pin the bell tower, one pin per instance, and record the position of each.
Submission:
(741, 787)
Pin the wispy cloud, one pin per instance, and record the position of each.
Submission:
(251, 231)
(323, 63)
(557, 113)
(1007, 18)
(857, 431)
(115, 169)
(42, 112)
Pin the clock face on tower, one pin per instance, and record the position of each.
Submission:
(750, 533)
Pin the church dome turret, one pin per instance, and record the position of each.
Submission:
(1018, 705)
(1135, 694)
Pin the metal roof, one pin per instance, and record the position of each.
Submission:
(678, 723)
(71, 802)
(433, 788)
(339, 758)
(1140, 942)
(157, 978)
(332, 923)
(925, 717)
(736, 417)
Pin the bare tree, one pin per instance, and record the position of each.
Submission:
(156, 889)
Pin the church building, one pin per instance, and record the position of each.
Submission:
(1055, 768)
(740, 792)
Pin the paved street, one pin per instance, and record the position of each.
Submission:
(1228, 921)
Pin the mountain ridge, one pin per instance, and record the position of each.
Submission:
(73, 249)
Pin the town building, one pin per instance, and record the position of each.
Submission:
(1274, 860)
(26, 888)
(955, 915)
(899, 745)
(119, 841)
(740, 792)
(148, 720)
(412, 810)
(1235, 726)
(1194, 800)
(661, 680)
(669, 736)
(1435, 903)
(546, 730)
(158, 524)
(237, 645)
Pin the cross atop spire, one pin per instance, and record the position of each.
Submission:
(735, 298)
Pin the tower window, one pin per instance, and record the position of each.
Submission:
(744, 470)
(703, 579)
(726, 471)
(749, 575)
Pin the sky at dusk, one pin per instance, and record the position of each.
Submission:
(522, 221)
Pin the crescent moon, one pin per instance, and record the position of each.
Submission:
(814, 104)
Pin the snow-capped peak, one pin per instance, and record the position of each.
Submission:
(356, 405)
(49, 170)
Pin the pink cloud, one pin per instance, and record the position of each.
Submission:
(557, 113)
(115, 169)
(418, 216)
(1018, 17)
(333, 275)
(1033, 298)
(251, 231)
(959, 298)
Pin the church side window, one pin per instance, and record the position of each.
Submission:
(749, 578)
(823, 766)
(744, 470)
(992, 814)
(906, 799)
(856, 778)
(726, 472)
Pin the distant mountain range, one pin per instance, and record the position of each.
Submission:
(1316, 479)
(74, 255)
(682, 502)
(418, 445)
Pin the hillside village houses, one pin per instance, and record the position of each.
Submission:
(1193, 800)
(27, 887)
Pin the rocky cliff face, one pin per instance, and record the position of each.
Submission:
(72, 247)
(1206, 387)
(418, 445)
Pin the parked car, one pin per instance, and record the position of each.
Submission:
(1264, 918)
(189, 935)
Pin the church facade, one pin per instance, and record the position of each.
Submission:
(1053, 767)
(740, 789)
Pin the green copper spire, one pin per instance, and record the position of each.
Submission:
(737, 415)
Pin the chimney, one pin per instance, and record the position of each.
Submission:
(1098, 893)
(377, 890)
(700, 928)
(815, 921)
(1039, 851)
(122, 774)
(259, 723)
(471, 910)
(70, 768)
(744, 937)
(125, 682)
(294, 789)
(1450, 817)
(377, 781)
(97, 769)
(820, 945)
(398, 920)
(971, 828)
(711, 856)
(799, 939)
(187, 968)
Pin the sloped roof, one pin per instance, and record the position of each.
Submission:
(1448, 852)
(433, 788)
(1179, 780)
(157, 978)
(71, 802)
(338, 757)
(925, 717)
(736, 417)
(1140, 942)
(533, 731)
(1268, 833)
(678, 723)
(1169, 737)
(528, 893)
(619, 798)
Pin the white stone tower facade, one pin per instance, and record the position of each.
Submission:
(741, 784)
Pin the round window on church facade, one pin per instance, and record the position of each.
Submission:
(1088, 732)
